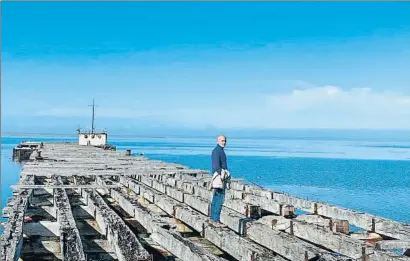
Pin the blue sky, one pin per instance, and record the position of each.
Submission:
(205, 65)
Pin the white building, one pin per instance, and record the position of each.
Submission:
(92, 139)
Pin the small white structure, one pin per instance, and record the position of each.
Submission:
(92, 139)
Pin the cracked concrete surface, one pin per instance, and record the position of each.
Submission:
(161, 210)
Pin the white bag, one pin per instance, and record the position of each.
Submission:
(219, 179)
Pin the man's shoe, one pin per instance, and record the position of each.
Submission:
(221, 225)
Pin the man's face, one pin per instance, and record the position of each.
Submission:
(222, 141)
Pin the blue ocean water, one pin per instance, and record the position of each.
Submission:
(367, 175)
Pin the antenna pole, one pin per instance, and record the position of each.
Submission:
(92, 122)
(92, 128)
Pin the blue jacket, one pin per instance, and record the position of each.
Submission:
(218, 159)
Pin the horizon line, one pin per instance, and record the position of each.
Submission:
(244, 134)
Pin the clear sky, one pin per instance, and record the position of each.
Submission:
(205, 65)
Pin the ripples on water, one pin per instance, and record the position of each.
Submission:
(371, 176)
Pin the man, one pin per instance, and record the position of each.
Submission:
(218, 164)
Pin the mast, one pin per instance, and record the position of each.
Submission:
(92, 122)
(92, 126)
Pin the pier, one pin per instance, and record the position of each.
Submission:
(81, 202)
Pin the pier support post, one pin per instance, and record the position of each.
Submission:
(340, 226)
(291, 228)
(364, 257)
(38, 157)
(288, 211)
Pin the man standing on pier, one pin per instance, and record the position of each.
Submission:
(219, 166)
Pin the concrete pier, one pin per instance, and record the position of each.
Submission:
(81, 203)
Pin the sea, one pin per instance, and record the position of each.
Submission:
(365, 173)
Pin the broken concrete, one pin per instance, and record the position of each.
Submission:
(336, 242)
(112, 195)
(127, 246)
(71, 245)
(162, 232)
(12, 238)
